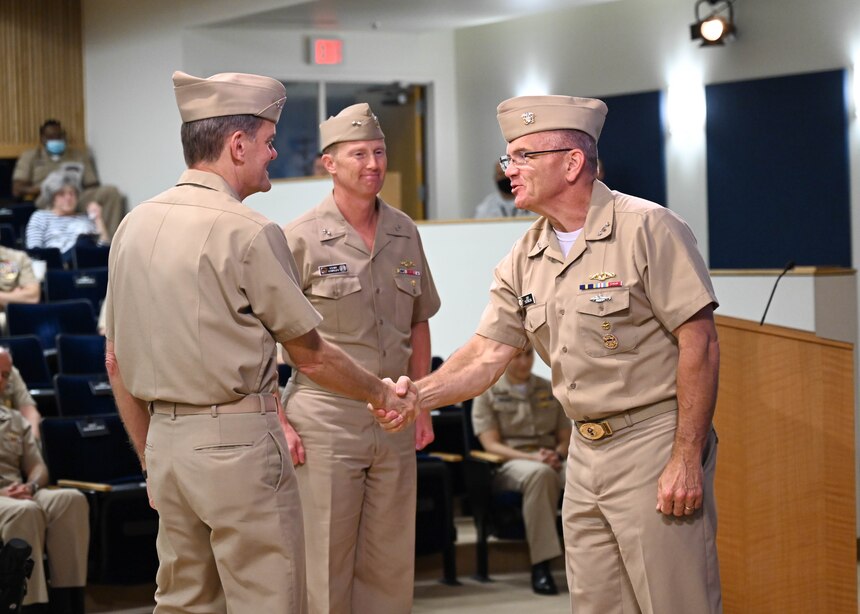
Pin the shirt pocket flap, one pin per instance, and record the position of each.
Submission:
(535, 317)
(408, 284)
(603, 303)
(335, 287)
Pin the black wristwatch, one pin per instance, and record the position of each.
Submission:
(34, 487)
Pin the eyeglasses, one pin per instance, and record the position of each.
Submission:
(522, 157)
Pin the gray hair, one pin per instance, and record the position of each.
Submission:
(69, 174)
(203, 140)
(577, 139)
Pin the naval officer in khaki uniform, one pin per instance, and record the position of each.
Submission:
(201, 288)
(361, 264)
(614, 296)
(520, 420)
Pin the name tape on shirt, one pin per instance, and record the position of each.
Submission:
(528, 299)
(333, 269)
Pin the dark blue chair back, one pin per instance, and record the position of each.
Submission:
(51, 255)
(47, 320)
(28, 356)
(8, 236)
(83, 395)
(81, 354)
(90, 256)
(90, 284)
(17, 215)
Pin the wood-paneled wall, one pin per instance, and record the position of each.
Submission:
(41, 69)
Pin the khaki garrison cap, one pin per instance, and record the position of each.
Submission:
(354, 123)
(527, 114)
(229, 93)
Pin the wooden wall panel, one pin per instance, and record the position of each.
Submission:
(41, 67)
(785, 471)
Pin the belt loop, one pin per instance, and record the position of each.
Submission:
(628, 419)
(214, 411)
(173, 411)
(262, 398)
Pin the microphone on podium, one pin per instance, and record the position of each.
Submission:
(788, 266)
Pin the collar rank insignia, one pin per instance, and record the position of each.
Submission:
(333, 269)
(356, 122)
(528, 118)
(527, 299)
(602, 276)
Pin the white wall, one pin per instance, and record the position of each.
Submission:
(131, 49)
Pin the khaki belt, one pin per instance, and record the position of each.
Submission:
(253, 403)
(604, 428)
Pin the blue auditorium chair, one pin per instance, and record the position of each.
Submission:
(83, 395)
(47, 320)
(80, 354)
(90, 284)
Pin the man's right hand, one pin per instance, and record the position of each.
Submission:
(399, 406)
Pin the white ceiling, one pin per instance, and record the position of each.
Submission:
(398, 15)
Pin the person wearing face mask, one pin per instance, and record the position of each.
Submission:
(500, 202)
(34, 166)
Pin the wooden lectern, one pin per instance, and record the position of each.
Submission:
(785, 471)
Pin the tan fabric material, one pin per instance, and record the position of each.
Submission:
(56, 521)
(195, 269)
(16, 269)
(36, 164)
(16, 394)
(647, 248)
(531, 420)
(230, 535)
(200, 290)
(368, 308)
(354, 123)
(609, 355)
(358, 481)
(229, 93)
(528, 114)
(622, 556)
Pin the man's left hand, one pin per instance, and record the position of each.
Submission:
(424, 435)
(679, 489)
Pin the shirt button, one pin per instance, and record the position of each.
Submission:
(572, 385)
(564, 349)
(380, 321)
(378, 290)
(561, 312)
(384, 353)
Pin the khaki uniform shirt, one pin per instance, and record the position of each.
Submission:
(16, 394)
(19, 452)
(36, 164)
(603, 317)
(200, 289)
(16, 269)
(525, 421)
(368, 302)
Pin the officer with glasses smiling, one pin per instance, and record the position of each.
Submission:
(613, 295)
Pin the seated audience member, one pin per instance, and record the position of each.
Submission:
(55, 520)
(14, 393)
(520, 420)
(500, 202)
(61, 226)
(35, 165)
(18, 282)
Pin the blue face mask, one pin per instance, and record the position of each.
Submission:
(56, 147)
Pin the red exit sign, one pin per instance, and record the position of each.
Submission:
(326, 51)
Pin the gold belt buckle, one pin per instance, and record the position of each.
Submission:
(595, 430)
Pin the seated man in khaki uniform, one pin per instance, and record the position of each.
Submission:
(56, 521)
(14, 393)
(362, 265)
(520, 420)
(201, 290)
(18, 282)
(35, 165)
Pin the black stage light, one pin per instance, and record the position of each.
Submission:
(716, 24)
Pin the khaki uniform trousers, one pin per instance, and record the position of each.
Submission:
(230, 535)
(57, 521)
(622, 554)
(541, 486)
(358, 487)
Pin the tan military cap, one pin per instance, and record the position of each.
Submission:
(228, 93)
(527, 114)
(354, 123)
